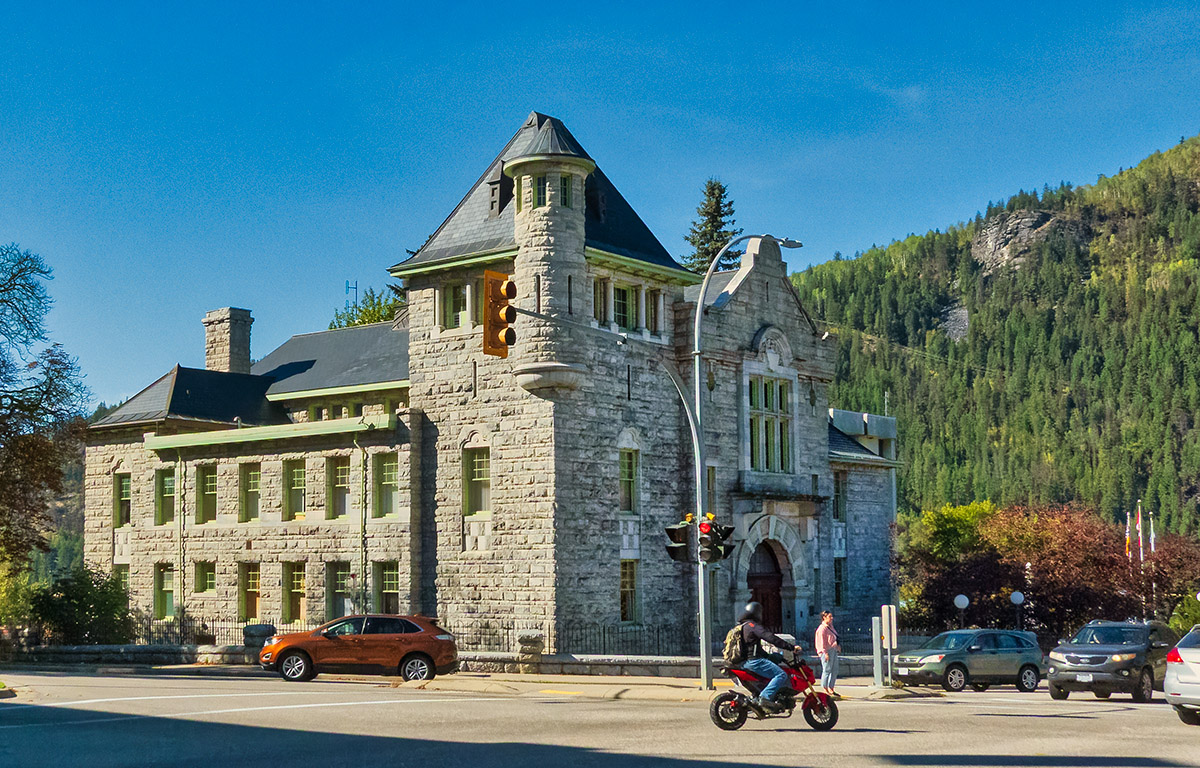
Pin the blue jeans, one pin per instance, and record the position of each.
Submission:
(829, 669)
(767, 668)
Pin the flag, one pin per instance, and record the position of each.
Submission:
(1128, 538)
(1152, 548)
(1141, 541)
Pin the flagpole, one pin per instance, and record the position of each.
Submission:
(1141, 557)
(1153, 572)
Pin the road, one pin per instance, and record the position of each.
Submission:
(61, 719)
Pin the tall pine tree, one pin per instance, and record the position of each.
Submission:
(712, 230)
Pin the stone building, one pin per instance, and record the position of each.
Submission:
(394, 466)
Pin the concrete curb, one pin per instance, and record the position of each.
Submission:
(188, 670)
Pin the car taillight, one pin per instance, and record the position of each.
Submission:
(1173, 657)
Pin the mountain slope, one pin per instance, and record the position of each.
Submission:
(1077, 375)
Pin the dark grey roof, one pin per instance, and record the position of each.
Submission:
(194, 394)
(469, 229)
(343, 357)
(842, 447)
(720, 281)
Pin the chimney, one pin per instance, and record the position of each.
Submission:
(227, 340)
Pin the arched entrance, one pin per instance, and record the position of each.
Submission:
(764, 579)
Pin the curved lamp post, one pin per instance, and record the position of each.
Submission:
(698, 452)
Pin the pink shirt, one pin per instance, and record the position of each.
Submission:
(826, 638)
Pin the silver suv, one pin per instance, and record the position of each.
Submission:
(1112, 656)
(1182, 683)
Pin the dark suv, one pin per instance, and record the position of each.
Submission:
(1107, 656)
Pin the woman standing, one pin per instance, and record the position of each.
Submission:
(827, 649)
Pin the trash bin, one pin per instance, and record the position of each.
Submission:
(255, 635)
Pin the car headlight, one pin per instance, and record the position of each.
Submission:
(1123, 656)
(1062, 657)
(271, 640)
(932, 659)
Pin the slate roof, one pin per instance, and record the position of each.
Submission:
(195, 394)
(469, 230)
(720, 281)
(842, 447)
(360, 354)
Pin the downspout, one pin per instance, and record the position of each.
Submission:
(362, 521)
(180, 522)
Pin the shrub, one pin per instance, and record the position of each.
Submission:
(83, 607)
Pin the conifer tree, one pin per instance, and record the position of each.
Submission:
(713, 228)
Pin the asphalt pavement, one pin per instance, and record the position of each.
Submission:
(84, 719)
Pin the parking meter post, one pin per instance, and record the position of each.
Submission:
(877, 649)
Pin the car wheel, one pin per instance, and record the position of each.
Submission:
(417, 666)
(955, 678)
(1058, 694)
(1102, 694)
(1027, 679)
(1145, 687)
(1188, 716)
(296, 667)
(728, 711)
(981, 687)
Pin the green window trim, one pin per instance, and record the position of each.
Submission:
(164, 496)
(387, 485)
(295, 589)
(566, 184)
(477, 481)
(295, 489)
(206, 494)
(337, 495)
(164, 591)
(122, 500)
(628, 592)
(250, 484)
(387, 586)
(628, 500)
(770, 414)
(206, 577)
(249, 591)
(540, 189)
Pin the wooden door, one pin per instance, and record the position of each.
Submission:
(765, 581)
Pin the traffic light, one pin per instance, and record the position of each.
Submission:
(713, 541)
(678, 534)
(498, 291)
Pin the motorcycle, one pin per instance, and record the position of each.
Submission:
(729, 710)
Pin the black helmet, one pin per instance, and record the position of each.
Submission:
(752, 612)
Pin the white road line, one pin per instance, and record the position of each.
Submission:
(182, 696)
(120, 718)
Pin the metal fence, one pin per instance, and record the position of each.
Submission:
(614, 639)
(181, 630)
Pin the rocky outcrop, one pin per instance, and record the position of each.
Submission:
(1009, 238)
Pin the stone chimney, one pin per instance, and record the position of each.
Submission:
(227, 340)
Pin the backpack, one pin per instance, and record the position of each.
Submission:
(735, 646)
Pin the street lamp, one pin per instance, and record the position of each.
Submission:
(698, 451)
(1018, 599)
(961, 602)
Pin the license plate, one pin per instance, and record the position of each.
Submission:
(1084, 677)
(901, 670)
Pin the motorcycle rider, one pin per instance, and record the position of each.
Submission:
(758, 660)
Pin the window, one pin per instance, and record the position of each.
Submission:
(121, 574)
(839, 581)
(295, 482)
(624, 311)
(337, 590)
(164, 496)
(477, 473)
(337, 473)
(770, 424)
(122, 500)
(164, 591)
(206, 577)
(454, 303)
(812, 398)
(517, 191)
(387, 484)
(600, 301)
(477, 301)
(628, 482)
(629, 596)
(387, 587)
(839, 496)
(564, 183)
(652, 318)
(570, 294)
(390, 625)
(540, 189)
(250, 480)
(348, 627)
(248, 591)
(294, 590)
(206, 494)
(816, 485)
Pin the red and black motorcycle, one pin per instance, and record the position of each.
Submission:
(730, 709)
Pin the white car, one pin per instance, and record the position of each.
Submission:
(1182, 682)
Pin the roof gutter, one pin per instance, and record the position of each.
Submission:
(458, 261)
(274, 432)
(668, 274)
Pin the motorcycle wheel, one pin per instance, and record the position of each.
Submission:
(822, 717)
(727, 711)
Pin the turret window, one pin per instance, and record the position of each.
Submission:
(565, 183)
(540, 189)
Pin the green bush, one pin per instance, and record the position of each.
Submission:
(83, 607)
(1186, 616)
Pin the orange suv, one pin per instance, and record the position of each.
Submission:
(414, 647)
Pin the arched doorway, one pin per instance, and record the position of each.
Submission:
(764, 579)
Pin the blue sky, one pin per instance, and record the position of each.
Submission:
(168, 160)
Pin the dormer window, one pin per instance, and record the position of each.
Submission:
(500, 192)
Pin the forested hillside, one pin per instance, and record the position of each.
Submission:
(1077, 374)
